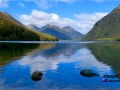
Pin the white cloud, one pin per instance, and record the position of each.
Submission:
(22, 4)
(3, 3)
(44, 4)
(98, 0)
(41, 18)
(67, 1)
(47, 3)
(84, 22)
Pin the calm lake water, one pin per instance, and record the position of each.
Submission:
(65, 66)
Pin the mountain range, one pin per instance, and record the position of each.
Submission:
(12, 30)
(74, 34)
(66, 33)
(108, 28)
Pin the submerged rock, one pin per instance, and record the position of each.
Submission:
(88, 73)
(37, 75)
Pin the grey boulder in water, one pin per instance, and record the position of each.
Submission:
(37, 75)
(88, 73)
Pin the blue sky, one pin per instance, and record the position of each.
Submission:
(80, 14)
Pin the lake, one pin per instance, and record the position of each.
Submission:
(60, 66)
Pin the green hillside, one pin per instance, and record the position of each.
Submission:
(108, 28)
(13, 30)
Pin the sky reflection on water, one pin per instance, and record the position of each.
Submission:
(61, 65)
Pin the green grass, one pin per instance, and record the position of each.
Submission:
(107, 39)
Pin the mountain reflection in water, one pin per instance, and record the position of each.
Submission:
(60, 65)
(109, 53)
(12, 51)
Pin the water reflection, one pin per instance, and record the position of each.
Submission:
(66, 49)
(50, 59)
(58, 67)
(12, 51)
(109, 53)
